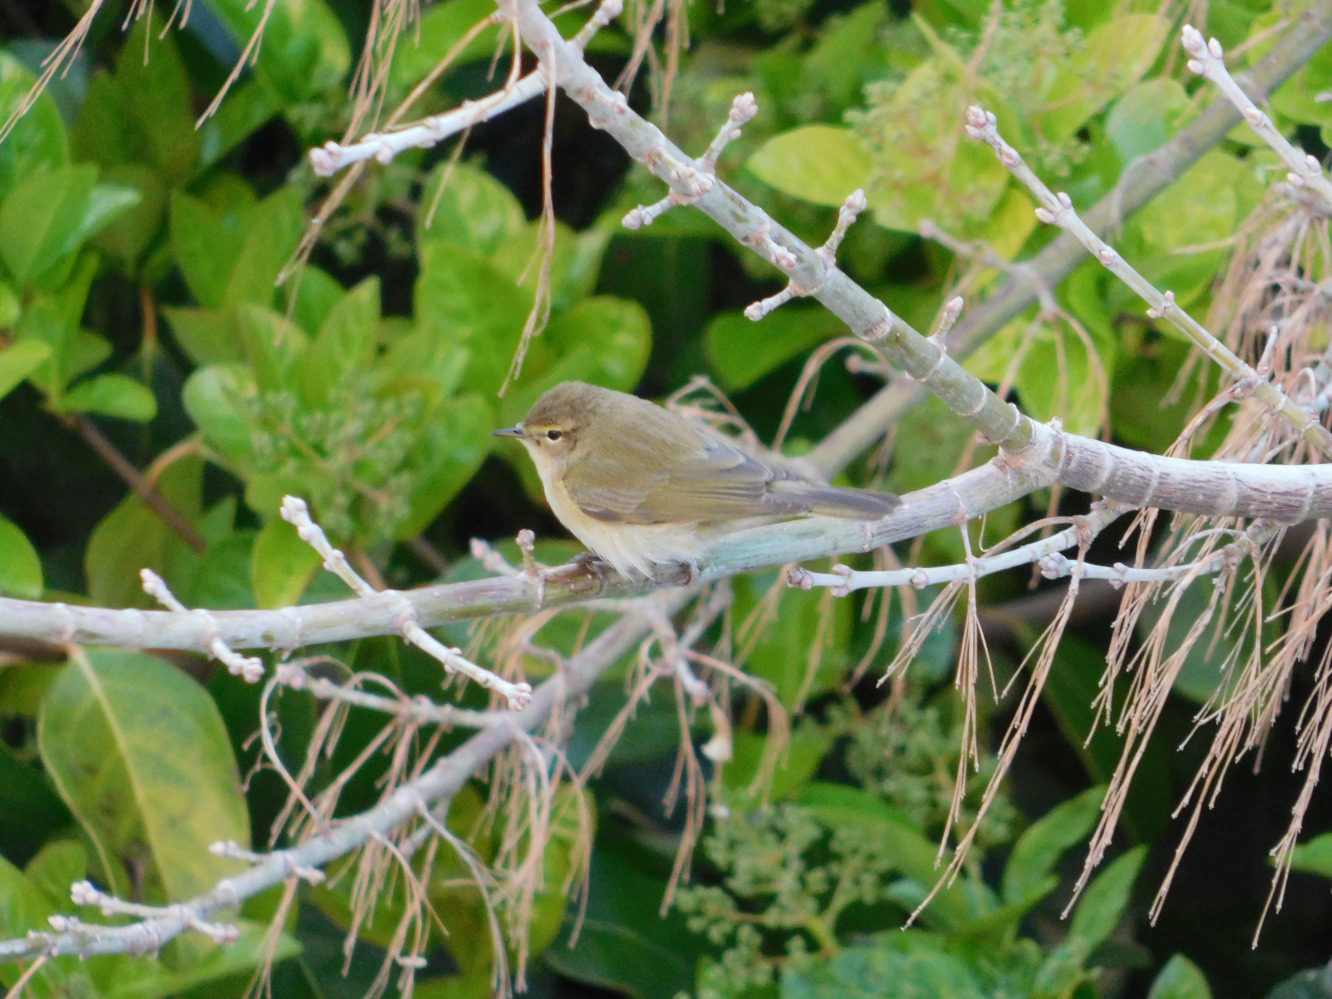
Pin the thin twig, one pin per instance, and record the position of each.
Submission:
(135, 479)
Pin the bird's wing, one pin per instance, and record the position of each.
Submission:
(713, 480)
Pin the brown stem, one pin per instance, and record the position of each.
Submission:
(135, 479)
(428, 554)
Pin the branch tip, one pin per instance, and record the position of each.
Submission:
(250, 668)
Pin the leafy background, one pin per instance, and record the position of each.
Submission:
(139, 317)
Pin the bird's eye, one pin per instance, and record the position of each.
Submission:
(553, 435)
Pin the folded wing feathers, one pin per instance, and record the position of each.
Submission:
(717, 482)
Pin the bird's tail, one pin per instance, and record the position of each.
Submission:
(834, 501)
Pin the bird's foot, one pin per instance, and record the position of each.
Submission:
(682, 572)
(689, 567)
(593, 564)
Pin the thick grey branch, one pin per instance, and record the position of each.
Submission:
(1277, 493)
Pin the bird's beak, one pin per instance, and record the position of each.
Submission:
(518, 432)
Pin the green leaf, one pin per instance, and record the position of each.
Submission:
(938, 442)
(249, 104)
(143, 113)
(25, 907)
(45, 219)
(1314, 857)
(452, 889)
(111, 395)
(1219, 191)
(30, 810)
(345, 345)
(1201, 209)
(414, 354)
(624, 942)
(1115, 56)
(129, 236)
(1102, 905)
(274, 347)
(52, 318)
(1144, 415)
(798, 762)
(84, 351)
(205, 336)
(317, 293)
(205, 248)
(282, 565)
(19, 360)
(454, 440)
(602, 340)
(1180, 979)
(231, 255)
(132, 537)
(304, 52)
(37, 144)
(22, 690)
(20, 567)
(573, 818)
(575, 261)
(58, 865)
(1063, 968)
(1213, 660)
(217, 399)
(10, 307)
(800, 647)
(474, 211)
(1039, 849)
(156, 91)
(140, 755)
(912, 854)
(273, 227)
(923, 165)
(441, 26)
(221, 578)
(467, 303)
(1061, 373)
(1146, 117)
(1313, 983)
(820, 163)
(901, 965)
(1069, 693)
(848, 50)
(741, 351)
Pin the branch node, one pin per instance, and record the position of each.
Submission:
(799, 578)
(250, 668)
(1167, 303)
(762, 241)
(743, 108)
(297, 513)
(608, 11)
(951, 311)
(1053, 565)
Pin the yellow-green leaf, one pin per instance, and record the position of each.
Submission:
(140, 755)
(283, 565)
(820, 163)
(20, 568)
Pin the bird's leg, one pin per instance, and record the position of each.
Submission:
(593, 562)
(692, 571)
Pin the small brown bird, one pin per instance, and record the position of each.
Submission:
(639, 484)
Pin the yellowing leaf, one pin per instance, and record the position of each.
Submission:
(140, 755)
